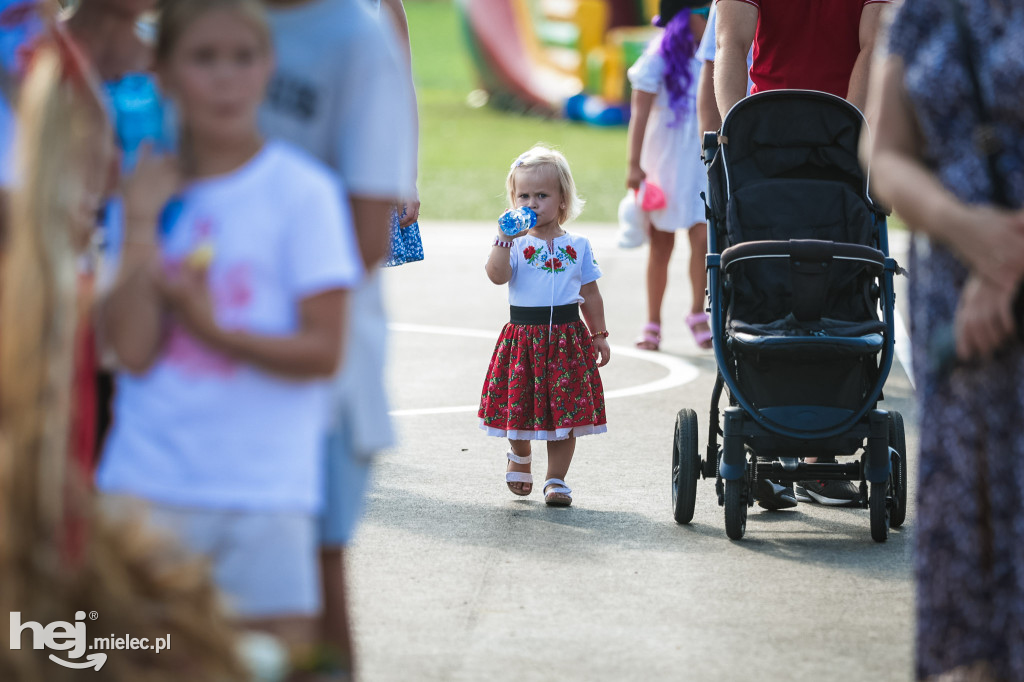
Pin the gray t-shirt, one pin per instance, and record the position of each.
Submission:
(342, 91)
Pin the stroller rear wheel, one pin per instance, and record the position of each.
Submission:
(736, 508)
(685, 466)
(879, 509)
(898, 442)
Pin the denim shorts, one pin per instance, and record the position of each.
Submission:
(265, 562)
(347, 481)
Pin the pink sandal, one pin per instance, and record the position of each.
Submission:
(703, 337)
(651, 337)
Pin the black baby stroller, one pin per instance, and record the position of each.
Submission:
(798, 267)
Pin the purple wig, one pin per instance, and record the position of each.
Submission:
(677, 49)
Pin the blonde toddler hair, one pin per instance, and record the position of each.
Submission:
(544, 156)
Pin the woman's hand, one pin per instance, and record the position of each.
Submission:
(188, 296)
(146, 191)
(984, 318)
(604, 350)
(991, 243)
(635, 176)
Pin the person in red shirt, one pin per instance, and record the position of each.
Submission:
(821, 45)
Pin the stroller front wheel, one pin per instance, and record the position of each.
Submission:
(736, 508)
(879, 509)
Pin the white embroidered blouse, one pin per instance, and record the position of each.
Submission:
(552, 274)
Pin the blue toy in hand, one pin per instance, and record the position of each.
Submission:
(141, 114)
(513, 222)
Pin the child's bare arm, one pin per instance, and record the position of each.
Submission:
(312, 351)
(498, 268)
(593, 314)
(641, 107)
(131, 313)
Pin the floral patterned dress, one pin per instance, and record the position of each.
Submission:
(542, 382)
(970, 524)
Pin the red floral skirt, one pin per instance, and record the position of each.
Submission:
(543, 384)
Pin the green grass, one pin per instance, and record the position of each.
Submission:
(465, 152)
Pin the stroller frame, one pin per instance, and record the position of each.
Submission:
(767, 442)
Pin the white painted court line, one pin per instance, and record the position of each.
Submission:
(899, 248)
(679, 371)
(902, 343)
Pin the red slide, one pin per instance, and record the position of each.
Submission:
(508, 59)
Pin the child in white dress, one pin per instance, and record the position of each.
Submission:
(664, 150)
(543, 381)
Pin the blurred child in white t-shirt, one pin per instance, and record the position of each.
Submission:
(227, 315)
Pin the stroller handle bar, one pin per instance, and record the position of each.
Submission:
(810, 250)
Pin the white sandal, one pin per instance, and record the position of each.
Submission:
(519, 476)
(560, 494)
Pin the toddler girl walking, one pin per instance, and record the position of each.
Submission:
(543, 381)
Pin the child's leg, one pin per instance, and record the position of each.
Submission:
(698, 234)
(559, 458)
(560, 454)
(657, 271)
(697, 319)
(520, 448)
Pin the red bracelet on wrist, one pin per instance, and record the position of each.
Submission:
(603, 333)
(503, 244)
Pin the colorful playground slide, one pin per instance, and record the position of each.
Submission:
(509, 62)
(556, 57)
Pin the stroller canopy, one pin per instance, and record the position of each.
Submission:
(789, 134)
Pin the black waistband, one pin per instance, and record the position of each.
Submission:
(561, 314)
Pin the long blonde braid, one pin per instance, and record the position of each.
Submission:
(58, 555)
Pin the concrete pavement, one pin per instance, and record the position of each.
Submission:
(454, 578)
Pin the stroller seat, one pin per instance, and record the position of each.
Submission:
(807, 278)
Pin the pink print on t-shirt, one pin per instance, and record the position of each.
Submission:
(191, 357)
(231, 292)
